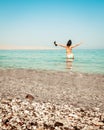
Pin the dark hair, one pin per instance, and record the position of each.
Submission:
(69, 43)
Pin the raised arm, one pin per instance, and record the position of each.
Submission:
(56, 44)
(76, 45)
(61, 45)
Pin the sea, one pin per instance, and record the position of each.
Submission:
(86, 60)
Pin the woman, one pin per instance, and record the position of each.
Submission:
(68, 48)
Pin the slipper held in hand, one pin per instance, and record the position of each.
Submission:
(55, 43)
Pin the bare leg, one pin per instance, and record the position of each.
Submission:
(69, 63)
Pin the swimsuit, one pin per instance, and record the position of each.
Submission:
(70, 56)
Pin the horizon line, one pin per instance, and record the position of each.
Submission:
(37, 48)
(49, 49)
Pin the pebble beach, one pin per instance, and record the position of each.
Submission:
(51, 100)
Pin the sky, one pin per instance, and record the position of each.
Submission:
(33, 24)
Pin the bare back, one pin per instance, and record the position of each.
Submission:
(68, 50)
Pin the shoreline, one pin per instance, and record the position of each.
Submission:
(67, 70)
(72, 88)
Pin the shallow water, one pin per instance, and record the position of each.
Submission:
(88, 61)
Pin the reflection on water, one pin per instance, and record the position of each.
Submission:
(69, 63)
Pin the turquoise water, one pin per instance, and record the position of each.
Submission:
(90, 61)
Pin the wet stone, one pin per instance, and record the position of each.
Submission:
(29, 97)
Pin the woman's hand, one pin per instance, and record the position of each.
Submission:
(55, 43)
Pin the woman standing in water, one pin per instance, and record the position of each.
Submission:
(68, 48)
